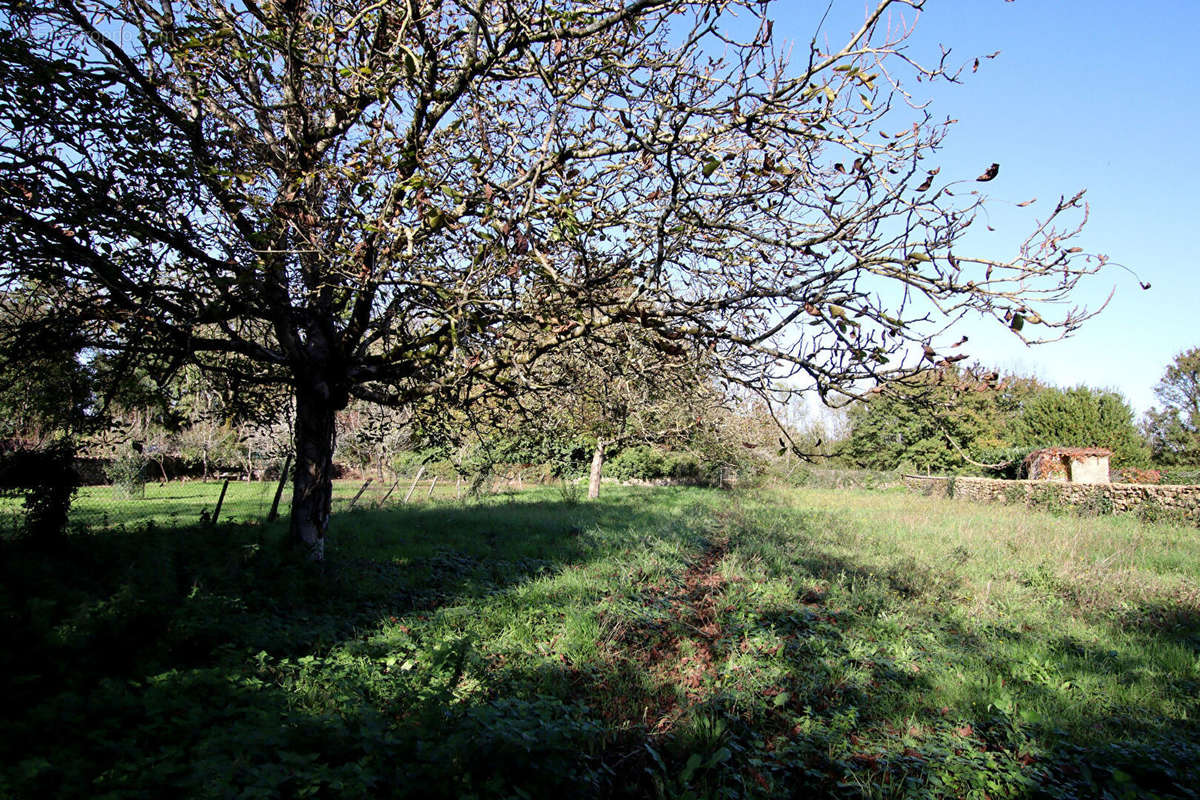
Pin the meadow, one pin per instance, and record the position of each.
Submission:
(668, 642)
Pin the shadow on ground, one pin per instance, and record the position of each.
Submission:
(216, 663)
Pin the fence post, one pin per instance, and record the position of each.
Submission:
(389, 494)
(360, 491)
(432, 484)
(420, 472)
(220, 500)
(274, 515)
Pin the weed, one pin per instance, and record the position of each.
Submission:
(570, 492)
(1048, 499)
(1151, 510)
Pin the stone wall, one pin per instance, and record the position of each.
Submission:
(1154, 502)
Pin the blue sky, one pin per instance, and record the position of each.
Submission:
(1098, 95)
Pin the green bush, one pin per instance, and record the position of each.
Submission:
(48, 479)
(641, 462)
(1014, 493)
(409, 462)
(1048, 499)
(127, 474)
(1151, 510)
(1183, 476)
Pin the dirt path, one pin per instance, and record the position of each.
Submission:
(662, 669)
(691, 663)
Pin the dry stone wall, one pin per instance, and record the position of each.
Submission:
(1151, 501)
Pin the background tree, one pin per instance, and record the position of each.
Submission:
(1083, 417)
(1174, 430)
(940, 420)
(45, 389)
(623, 385)
(370, 201)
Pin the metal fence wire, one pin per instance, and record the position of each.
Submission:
(233, 499)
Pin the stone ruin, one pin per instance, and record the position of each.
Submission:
(1068, 464)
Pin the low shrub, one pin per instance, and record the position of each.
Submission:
(1151, 510)
(48, 480)
(1015, 493)
(641, 462)
(127, 474)
(409, 462)
(1181, 476)
(1136, 475)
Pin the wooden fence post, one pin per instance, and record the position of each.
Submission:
(220, 500)
(420, 472)
(274, 515)
(432, 484)
(389, 494)
(360, 492)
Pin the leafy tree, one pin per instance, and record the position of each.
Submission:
(1082, 417)
(942, 421)
(622, 386)
(400, 200)
(1174, 430)
(45, 389)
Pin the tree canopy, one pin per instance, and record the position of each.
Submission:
(1083, 417)
(967, 419)
(423, 197)
(940, 420)
(1174, 429)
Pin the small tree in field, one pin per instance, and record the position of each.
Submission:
(623, 385)
(414, 198)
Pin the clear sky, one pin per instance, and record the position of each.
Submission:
(1086, 94)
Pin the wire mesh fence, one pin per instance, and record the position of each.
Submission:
(232, 499)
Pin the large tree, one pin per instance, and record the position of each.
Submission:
(410, 198)
(1174, 429)
(1082, 417)
(953, 418)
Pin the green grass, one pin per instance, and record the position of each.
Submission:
(180, 503)
(659, 642)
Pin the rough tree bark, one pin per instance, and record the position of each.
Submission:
(597, 467)
(312, 493)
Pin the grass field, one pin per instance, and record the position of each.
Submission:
(659, 642)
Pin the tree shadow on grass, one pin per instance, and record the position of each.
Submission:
(133, 659)
(212, 663)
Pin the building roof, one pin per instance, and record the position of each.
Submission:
(1070, 452)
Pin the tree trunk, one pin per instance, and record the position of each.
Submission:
(597, 467)
(312, 487)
